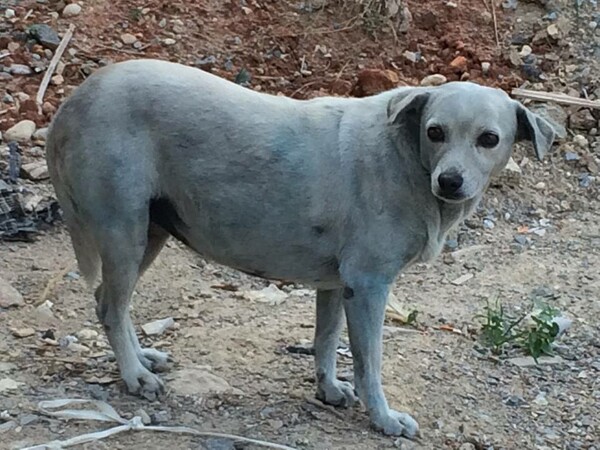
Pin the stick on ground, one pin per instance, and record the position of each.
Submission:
(39, 98)
(557, 97)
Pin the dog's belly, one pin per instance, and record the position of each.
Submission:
(278, 252)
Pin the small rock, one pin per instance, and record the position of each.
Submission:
(8, 384)
(87, 334)
(540, 399)
(9, 296)
(19, 69)
(158, 327)
(526, 50)
(485, 67)
(271, 294)
(128, 38)
(7, 98)
(77, 348)
(41, 134)
(462, 279)
(459, 64)
(540, 186)
(582, 120)
(35, 171)
(513, 167)
(593, 25)
(23, 332)
(9, 13)
(160, 417)
(572, 156)
(200, 382)
(580, 141)
(169, 41)
(553, 31)
(71, 10)
(528, 361)
(467, 446)
(144, 416)
(57, 80)
(20, 132)
(413, 57)
(45, 35)
(374, 81)
(48, 108)
(434, 80)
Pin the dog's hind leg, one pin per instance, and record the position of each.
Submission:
(330, 320)
(122, 248)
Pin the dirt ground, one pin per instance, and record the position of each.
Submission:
(536, 236)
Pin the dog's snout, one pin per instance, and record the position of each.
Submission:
(450, 183)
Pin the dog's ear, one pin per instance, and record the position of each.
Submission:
(532, 127)
(407, 105)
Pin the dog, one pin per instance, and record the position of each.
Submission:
(337, 193)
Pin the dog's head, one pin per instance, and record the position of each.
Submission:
(465, 133)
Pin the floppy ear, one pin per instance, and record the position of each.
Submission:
(407, 105)
(533, 128)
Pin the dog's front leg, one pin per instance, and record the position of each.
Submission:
(365, 299)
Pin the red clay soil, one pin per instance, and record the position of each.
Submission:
(285, 46)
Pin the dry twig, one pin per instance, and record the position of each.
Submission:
(39, 99)
(557, 97)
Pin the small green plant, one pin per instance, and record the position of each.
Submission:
(411, 319)
(536, 338)
(135, 14)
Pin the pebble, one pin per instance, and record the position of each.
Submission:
(128, 38)
(20, 132)
(271, 294)
(9, 13)
(45, 35)
(169, 41)
(485, 67)
(35, 171)
(7, 98)
(434, 80)
(8, 384)
(528, 361)
(593, 25)
(413, 57)
(158, 327)
(57, 80)
(513, 167)
(23, 332)
(581, 141)
(526, 50)
(144, 416)
(553, 31)
(467, 446)
(459, 64)
(87, 334)
(40, 134)
(19, 69)
(540, 186)
(9, 296)
(71, 10)
(196, 381)
(540, 399)
(582, 120)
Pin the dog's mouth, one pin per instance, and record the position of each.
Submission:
(454, 199)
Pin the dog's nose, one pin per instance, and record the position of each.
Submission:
(450, 183)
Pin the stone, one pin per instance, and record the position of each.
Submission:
(459, 64)
(462, 279)
(9, 296)
(158, 327)
(45, 35)
(582, 120)
(513, 167)
(20, 132)
(128, 38)
(540, 400)
(199, 382)
(374, 81)
(9, 13)
(271, 294)
(526, 50)
(40, 135)
(467, 446)
(581, 141)
(8, 384)
(87, 334)
(35, 171)
(169, 41)
(57, 80)
(434, 80)
(553, 31)
(71, 10)
(19, 69)
(485, 67)
(23, 332)
(413, 57)
(146, 420)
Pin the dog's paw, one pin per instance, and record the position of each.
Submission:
(144, 383)
(395, 423)
(338, 393)
(153, 359)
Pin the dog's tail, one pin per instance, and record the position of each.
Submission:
(83, 241)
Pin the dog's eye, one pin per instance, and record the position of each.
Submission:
(488, 140)
(435, 134)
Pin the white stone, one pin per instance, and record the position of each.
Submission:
(71, 10)
(158, 326)
(200, 382)
(20, 132)
(434, 80)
